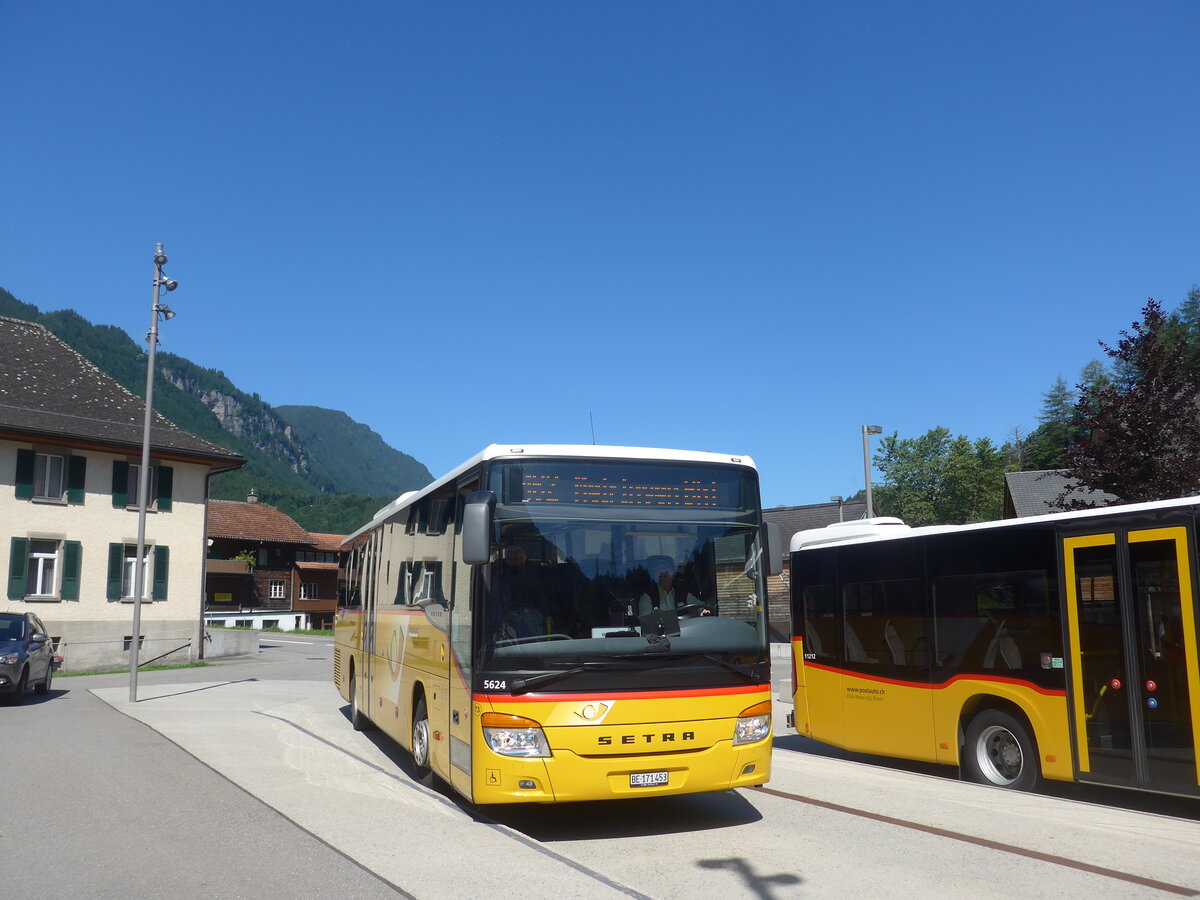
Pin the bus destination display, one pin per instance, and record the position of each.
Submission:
(619, 490)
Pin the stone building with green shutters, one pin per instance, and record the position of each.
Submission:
(70, 459)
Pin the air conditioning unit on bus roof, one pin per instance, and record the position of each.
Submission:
(881, 526)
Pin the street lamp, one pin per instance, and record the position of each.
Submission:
(161, 281)
(838, 501)
(869, 430)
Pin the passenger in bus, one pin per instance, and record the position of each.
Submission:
(667, 591)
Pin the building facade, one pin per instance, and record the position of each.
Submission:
(265, 571)
(70, 459)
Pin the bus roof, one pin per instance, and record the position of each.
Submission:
(882, 529)
(566, 451)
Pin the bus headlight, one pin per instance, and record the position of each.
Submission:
(514, 735)
(754, 724)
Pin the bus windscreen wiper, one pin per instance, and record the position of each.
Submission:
(748, 674)
(521, 685)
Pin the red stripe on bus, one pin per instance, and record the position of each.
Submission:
(625, 695)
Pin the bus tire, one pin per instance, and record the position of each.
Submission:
(998, 750)
(420, 743)
(359, 720)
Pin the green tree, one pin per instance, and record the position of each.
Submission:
(1047, 446)
(1095, 376)
(1184, 325)
(1143, 428)
(937, 479)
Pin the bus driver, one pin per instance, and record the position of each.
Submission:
(662, 594)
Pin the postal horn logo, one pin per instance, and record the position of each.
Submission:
(594, 711)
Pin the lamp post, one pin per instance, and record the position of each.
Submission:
(866, 431)
(139, 567)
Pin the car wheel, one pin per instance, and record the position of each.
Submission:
(420, 743)
(18, 696)
(44, 687)
(999, 751)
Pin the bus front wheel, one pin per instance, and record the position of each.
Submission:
(420, 742)
(358, 719)
(999, 751)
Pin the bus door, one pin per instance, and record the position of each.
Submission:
(370, 606)
(466, 584)
(1134, 677)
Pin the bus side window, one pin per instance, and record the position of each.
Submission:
(961, 631)
(886, 628)
(816, 604)
(820, 623)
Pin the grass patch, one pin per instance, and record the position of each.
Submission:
(125, 670)
(320, 632)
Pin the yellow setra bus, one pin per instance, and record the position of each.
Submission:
(557, 623)
(1061, 646)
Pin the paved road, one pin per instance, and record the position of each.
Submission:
(96, 804)
(273, 727)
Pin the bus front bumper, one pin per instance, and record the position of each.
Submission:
(567, 776)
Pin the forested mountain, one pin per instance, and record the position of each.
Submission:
(350, 453)
(327, 480)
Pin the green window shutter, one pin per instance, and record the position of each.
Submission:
(166, 481)
(25, 463)
(162, 559)
(72, 557)
(76, 473)
(120, 483)
(116, 562)
(16, 567)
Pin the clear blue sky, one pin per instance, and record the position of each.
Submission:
(747, 228)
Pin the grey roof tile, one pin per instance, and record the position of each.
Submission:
(1034, 493)
(791, 519)
(48, 389)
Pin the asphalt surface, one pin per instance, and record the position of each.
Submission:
(245, 779)
(96, 804)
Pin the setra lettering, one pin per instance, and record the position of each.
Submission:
(666, 737)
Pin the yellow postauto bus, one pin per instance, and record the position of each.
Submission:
(1061, 646)
(557, 623)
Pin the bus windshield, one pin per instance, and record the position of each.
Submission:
(627, 566)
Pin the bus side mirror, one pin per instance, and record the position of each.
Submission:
(478, 514)
(774, 535)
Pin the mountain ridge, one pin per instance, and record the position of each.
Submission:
(327, 471)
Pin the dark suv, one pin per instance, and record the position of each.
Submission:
(26, 655)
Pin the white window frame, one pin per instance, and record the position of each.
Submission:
(43, 568)
(44, 476)
(277, 589)
(308, 590)
(129, 573)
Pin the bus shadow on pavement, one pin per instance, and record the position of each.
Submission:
(636, 817)
(1137, 801)
(799, 744)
